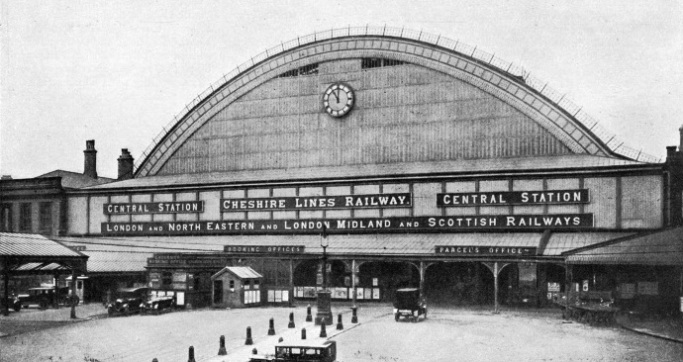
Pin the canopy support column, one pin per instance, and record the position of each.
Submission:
(495, 268)
(55, 296)
(354, 276)
(5, 310)
(73, 293)
(291, 281)
(422, 278)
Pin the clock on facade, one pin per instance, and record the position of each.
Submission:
(338, 99)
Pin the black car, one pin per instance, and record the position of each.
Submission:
(409, 304)
(44, 297)
(128, 301)
(303, 351)
(157, 304)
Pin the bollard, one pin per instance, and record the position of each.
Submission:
(340, 326)
(221, 349)
(254, 351)
(303, 333)
(190, 357)
(354, 318)
(309, 318)
(271, 327)
(280, 340)
(249, 341)
(155, 360)
(291, 320)
(323, 330)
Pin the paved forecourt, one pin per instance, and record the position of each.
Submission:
(448, 334)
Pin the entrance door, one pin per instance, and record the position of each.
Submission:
(217, 291)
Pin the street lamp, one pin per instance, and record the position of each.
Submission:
(324, 243)
(324, 313)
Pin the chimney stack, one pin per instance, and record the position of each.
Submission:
(90, 167)
(125, 165)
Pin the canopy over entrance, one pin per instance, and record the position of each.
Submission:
(29, 254)
(657, 248)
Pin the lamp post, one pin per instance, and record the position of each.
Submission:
(324, 312)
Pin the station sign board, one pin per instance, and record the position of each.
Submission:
(138, 208)
(317, 202)
(554, 197)
(264, 249)
(484, 250)
(187, 260)
(353, 225)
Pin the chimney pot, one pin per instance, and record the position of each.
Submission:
(126, 162)
(90, 164)
(670, 151)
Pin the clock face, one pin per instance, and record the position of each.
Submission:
(338, 100)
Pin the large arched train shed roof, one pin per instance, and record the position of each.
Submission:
(435, 105)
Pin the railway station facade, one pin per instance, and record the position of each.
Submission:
(412, 163)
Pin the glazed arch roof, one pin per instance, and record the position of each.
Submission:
(581, 133)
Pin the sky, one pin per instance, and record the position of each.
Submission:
(118, 71)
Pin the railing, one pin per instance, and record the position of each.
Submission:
(542, 87)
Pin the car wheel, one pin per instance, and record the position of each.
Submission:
(17, 307)
(396, 317)
(110, 311)
(43, 304)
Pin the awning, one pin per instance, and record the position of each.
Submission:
(563, 242)
(654, 248)
(130, 254)
(37, 254)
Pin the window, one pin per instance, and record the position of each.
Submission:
(379, 62)
(6, 217)
(256, 284)
(232, 284)
(166, 279)
(45, 209)
(247, 285)
(305, 70)
(25, 217)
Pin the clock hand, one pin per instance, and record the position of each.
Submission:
(336, 94)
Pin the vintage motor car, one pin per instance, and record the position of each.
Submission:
(302, 351)
(157, 304)
(128, 300)
(43, 297)
(14, 302)
(409, 304)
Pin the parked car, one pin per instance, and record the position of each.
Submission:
(43, 297)
(409, 304)
(157, 304)
(302, 351)
(128, 300)
(14, 302)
